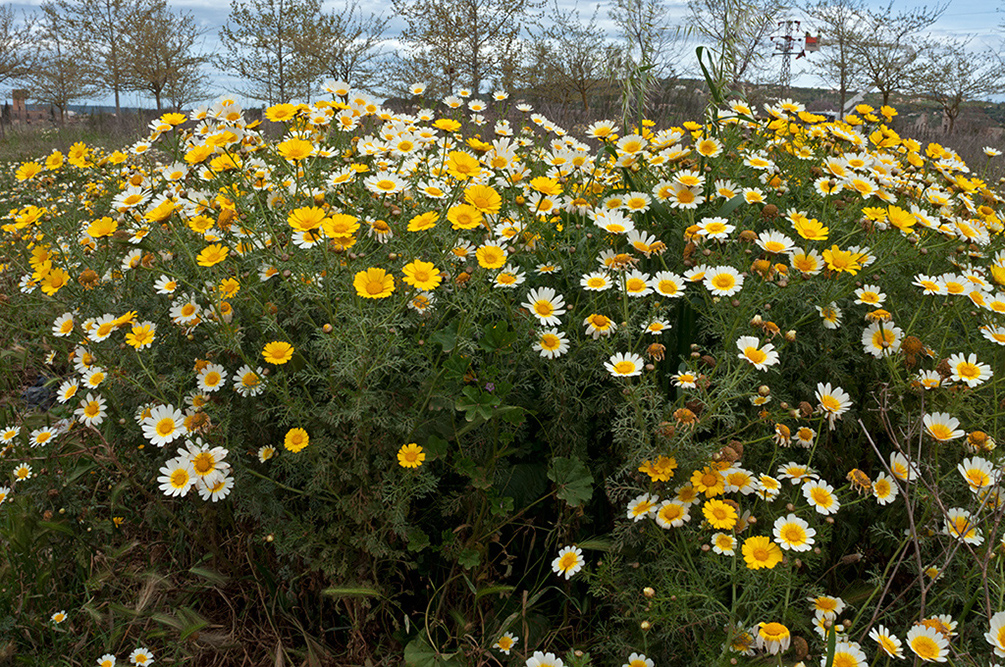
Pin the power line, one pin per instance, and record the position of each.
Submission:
(786, 46)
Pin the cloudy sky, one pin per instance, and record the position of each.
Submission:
(978, 19)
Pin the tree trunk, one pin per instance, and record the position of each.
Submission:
(950, 120)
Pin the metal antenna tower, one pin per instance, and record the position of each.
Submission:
(786, 46)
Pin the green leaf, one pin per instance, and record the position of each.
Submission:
(417, 539)
(193, 627)
(352, 592)
(56, 527)
(455, 367)
(418, 653)
(435, 447)
(497, 337)
(729, 206)
(524, 482)
(831, 647)
(478, 474)
(596, 544)
(446, 337)
(575, 483)
(494, 590)
(476, 403)
(500, 505)
(214, 578)
(511, 413)
(469, 558)
(713, 88)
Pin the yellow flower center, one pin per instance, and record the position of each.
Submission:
(755, 355)
(940, 431)
(550, 342)
(624, 367)
(179, 478)
(793, 534)
(845, 660)
(668, 287)
(723, 281)
(821, 497)
(670, 513)
(204, 463)
(977, 478)
(968, 371)
(165, 426)
(925, 647)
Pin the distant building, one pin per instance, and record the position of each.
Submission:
(22, 113)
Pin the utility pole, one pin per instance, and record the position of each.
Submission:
(786, 46)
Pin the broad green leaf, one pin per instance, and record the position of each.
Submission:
(497, 337)
(418, 653)
(417, 539)
(469, 558)
(446, 337)
(575, 483)
(435, 447)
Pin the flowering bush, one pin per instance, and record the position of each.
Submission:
(698, 394)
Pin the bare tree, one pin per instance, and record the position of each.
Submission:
(188, 86)
(949, 74)
(888, 44)
(259, 42)
(571, 59)
(15, 43)
(104, 28)
(652, 49)
(344, 44)
(162, 50)
(738, 30)
(840, 25)
(59, 73)
(453, 43)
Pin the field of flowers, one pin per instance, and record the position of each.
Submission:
(461, 387)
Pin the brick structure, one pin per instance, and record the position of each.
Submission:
(22, 113)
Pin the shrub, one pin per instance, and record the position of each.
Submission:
(735, 384)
